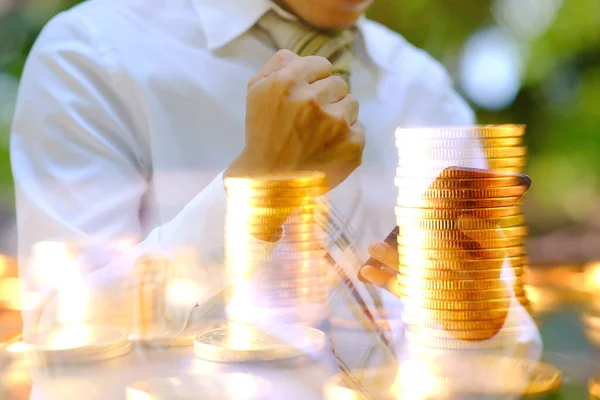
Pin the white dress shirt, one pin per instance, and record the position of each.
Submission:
(129, 111)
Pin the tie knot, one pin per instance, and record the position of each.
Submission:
(304, 40)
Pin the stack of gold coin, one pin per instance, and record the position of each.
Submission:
(152, 273)
(460, 241)
(276, 269)
(275, 248)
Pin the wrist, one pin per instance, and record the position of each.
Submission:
(246, 165)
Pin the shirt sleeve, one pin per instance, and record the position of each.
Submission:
(81, 174)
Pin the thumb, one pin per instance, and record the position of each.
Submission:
(277, 62)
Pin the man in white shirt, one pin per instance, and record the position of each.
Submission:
(130, 113)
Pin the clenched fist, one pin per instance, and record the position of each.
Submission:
(300, 117)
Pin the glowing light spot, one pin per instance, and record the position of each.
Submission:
(490, 68)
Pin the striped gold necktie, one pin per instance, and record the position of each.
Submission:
(305, 40)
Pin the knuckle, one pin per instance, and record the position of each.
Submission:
(319, 62)
(352, 101)
(284, 55)
(355, 148)
(338, 81)
(285, 79)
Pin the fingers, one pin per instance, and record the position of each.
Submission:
(379, 277)
(385, 254)
(330, 90)
(281, 59)
(346, 109)
(306, 70)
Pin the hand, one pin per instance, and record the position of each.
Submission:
(387, 276)
(300, 117)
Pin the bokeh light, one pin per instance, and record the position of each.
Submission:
(490, 68)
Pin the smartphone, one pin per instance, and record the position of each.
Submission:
(466, 178)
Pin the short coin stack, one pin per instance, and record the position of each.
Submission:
(460, 240)
(275, 264)
(152, 274)
(78, 343)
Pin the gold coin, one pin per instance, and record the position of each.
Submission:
(484, 234)
(296, 284)
(454, 143)
(491, 263)
(309, 191)
(461, 254)
(292, 179)
(461, 133)
(499, 181)
(414, 314)
(288, 229)
(246, 217)
(459, 305)
(465, 295)
(433, 213)
(79, 343)
(594, 387)
(458, 152)
(462, 325)
(468, 335)
(471, 284)
(466, 244)
(456, 275)
(458, 203)
(168, 339)
(279, 202)
(241, 343)
(256, 213)
(451, 224)
(474, 193)
(431, 165)
(318, 235)
(222, 386)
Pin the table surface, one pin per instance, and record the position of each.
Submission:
(565, 344)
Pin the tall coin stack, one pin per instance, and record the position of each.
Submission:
(276, 267)
(460, 241)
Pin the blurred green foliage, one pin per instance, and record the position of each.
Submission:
(559, 98)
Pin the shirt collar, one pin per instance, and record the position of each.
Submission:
(225, 20)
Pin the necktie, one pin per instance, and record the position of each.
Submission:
(304, 40)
